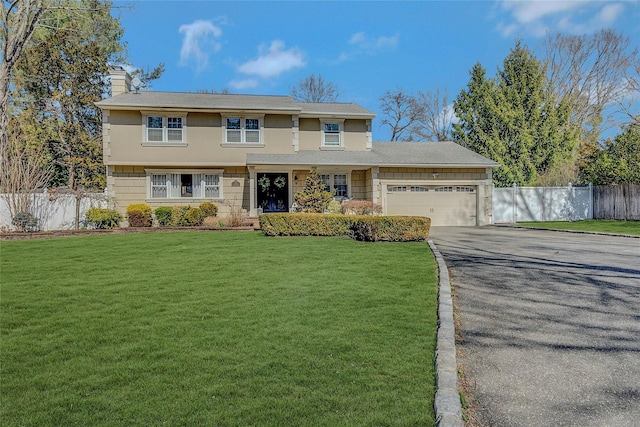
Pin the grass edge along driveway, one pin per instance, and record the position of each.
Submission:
(591, 225)
(222, 329)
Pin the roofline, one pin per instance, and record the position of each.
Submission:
(383, 165)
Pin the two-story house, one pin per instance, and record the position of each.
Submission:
(167, 149)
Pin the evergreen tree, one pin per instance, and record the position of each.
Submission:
(515, 120)
(313, 198)
(616, 162)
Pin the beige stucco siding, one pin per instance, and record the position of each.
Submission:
(443, 174)
(202, 145)
(354, 133)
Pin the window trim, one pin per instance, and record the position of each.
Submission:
(332, 184)
(323, 140)
(243, 130)
(192, 172)
(165, 129)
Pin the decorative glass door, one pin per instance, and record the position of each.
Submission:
(273, 192)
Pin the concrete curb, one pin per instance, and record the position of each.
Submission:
(447, 402)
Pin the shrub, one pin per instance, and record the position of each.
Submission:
(305, 224)
(192, 217)
(177, 215)
(361, 207)
(313, 198)
(163, 215)
(211, 222)
(334, 207)
(140, 215)
(24, 221)
(390, 228)
(209, 209)
(364, 228)
(102, 218)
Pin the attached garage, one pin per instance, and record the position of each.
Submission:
(454, 205)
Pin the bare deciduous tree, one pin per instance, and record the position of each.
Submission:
(402, 112)
(23, 173)
(19, 21)
(436, 118)
(314, 89)
(593, 73)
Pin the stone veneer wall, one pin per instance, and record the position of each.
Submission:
(359, 185)
(127, 185)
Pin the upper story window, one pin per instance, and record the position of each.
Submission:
(164, 129)
(331, 134)
(243, 130)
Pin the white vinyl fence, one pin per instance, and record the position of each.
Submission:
(54, 211)
(521, 204)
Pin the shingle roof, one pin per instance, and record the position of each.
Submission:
(200, 101)
(424, 154)
(214, 101)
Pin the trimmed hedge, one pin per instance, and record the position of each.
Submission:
(103, 218)
(391, 228)
(140, 215)
(303, 224)
(364, 228)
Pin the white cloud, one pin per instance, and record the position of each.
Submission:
(610, 13)
(539, 17)
(273, 61)
(370, 46)
(373, 45)
(357, 38)
(531, 10)
(243, 84)
(199, 40)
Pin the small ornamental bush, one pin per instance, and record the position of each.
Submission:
(163, 215)
(209, 209)
(102, 218)
(361, 207)
(334, 207)
(177, 215)
(211, 222)
(24, 221)
(192, 217)
(140, 215)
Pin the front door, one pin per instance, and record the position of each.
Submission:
(273, 192)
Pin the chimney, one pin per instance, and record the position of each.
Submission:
(120, 80)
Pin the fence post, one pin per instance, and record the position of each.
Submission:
(590, 213)
(515, 204)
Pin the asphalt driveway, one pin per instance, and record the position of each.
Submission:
(550, 324)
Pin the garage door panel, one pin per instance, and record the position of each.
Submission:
(450, 206)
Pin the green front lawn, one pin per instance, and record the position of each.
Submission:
(597, 225)
(214, 328)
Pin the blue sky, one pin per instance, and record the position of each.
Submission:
(364, 47)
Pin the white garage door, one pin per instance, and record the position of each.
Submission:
(445, 205)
